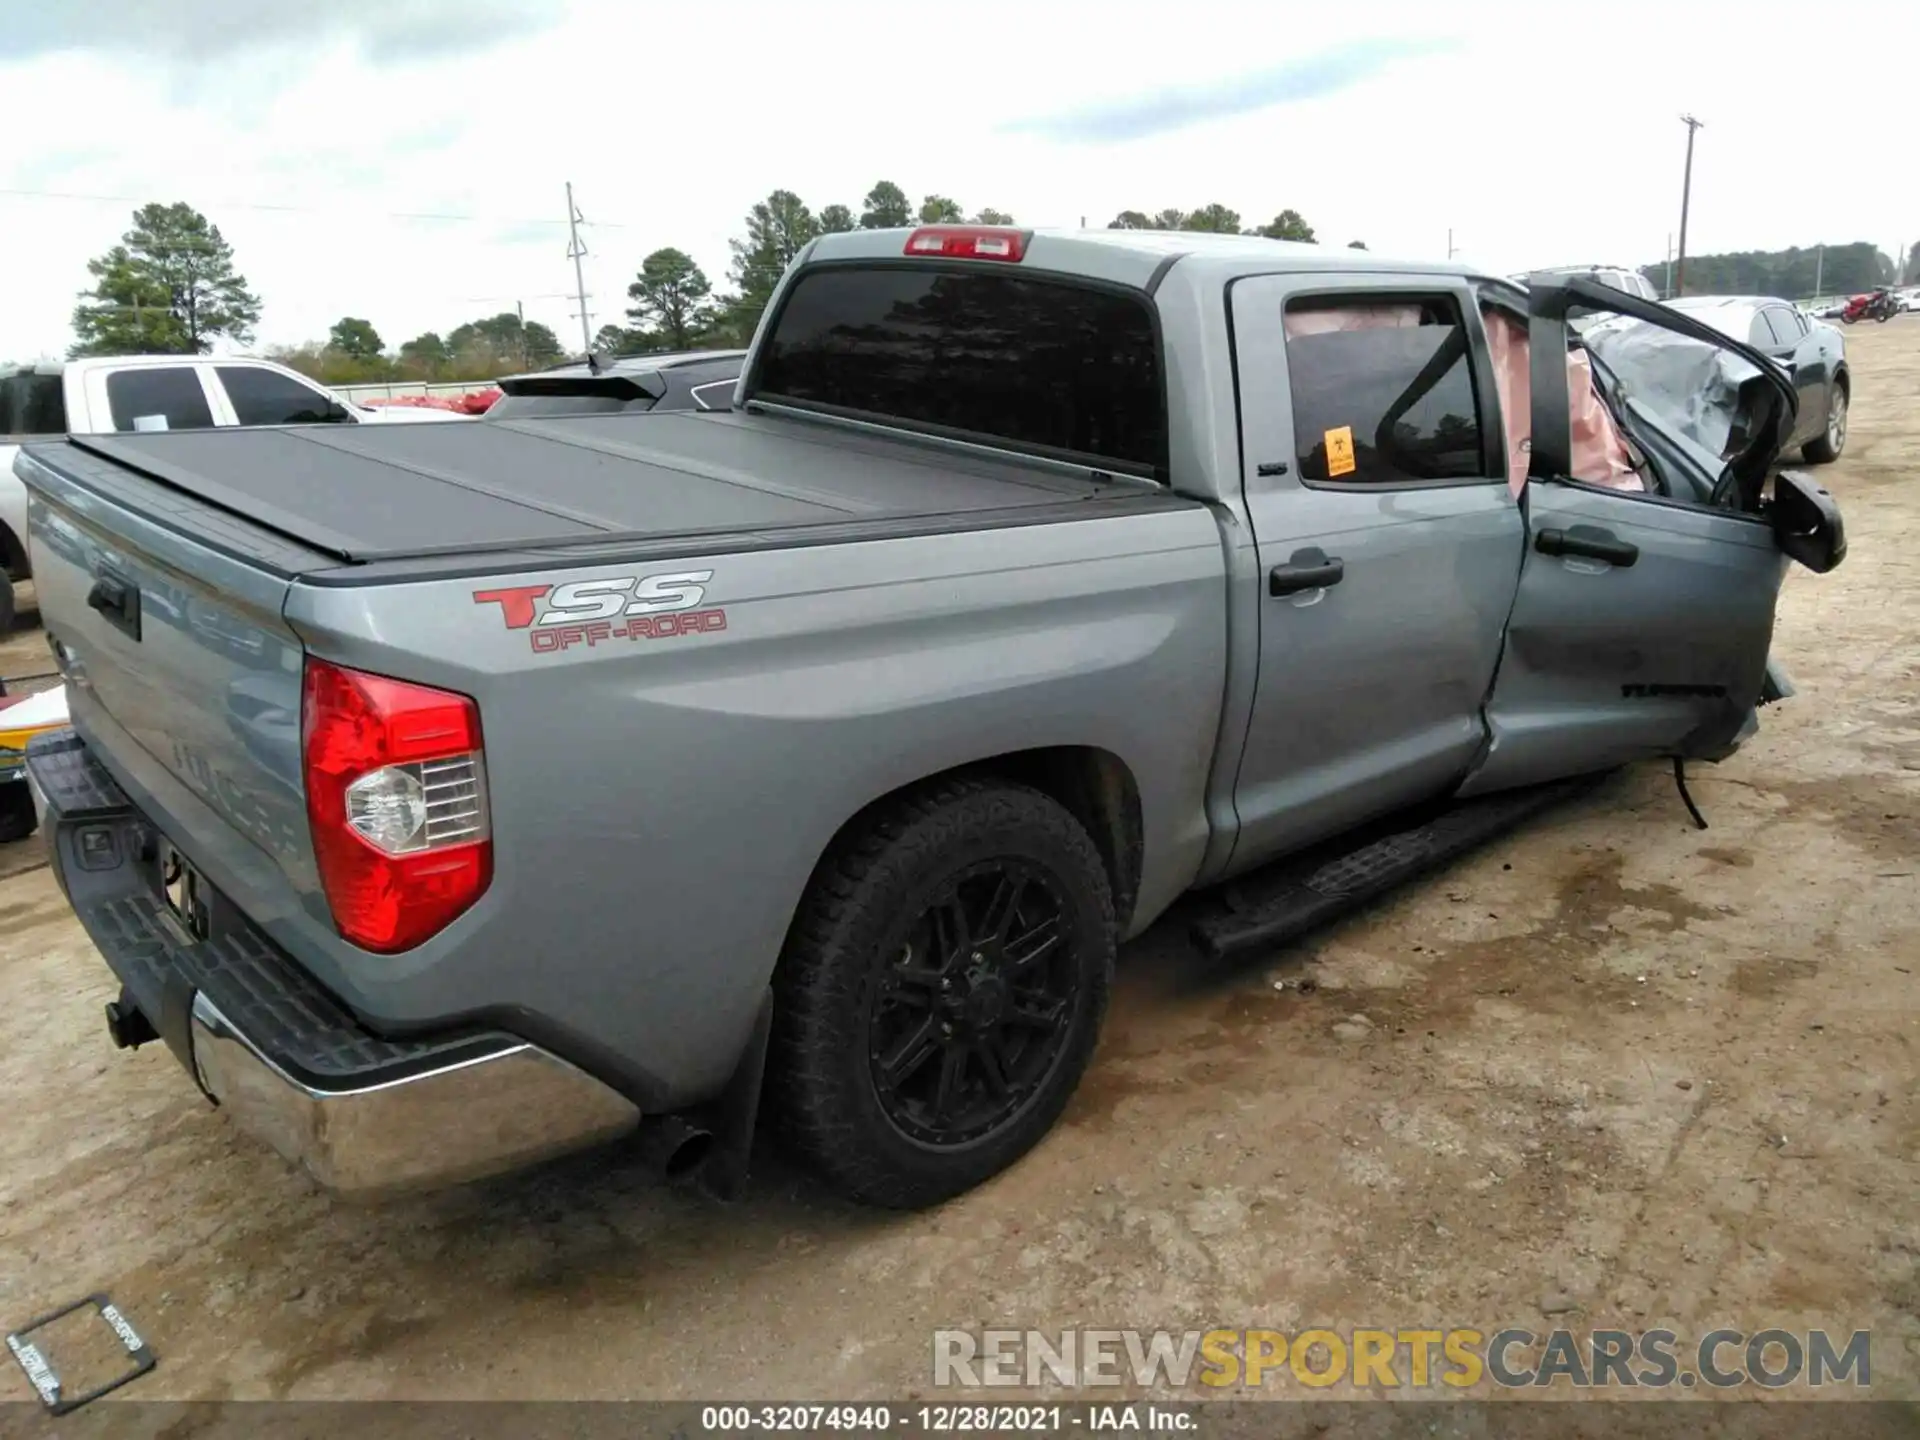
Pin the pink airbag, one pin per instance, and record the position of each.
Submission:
(1599, 454)
(1325, 320)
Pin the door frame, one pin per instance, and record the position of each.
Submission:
(1268, 457)
(1742, 525)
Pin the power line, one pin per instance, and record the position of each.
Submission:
(432, 216)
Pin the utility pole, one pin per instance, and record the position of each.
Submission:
(1819, 270)
(1686, 197)
(520, 314)
(575, 250)
(1667, 284)
(1449, 242)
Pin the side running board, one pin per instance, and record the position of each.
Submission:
(1273, 906)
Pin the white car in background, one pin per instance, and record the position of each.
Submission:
(101, 395)
(1617, 277)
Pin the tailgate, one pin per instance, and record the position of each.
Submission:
(183, 676)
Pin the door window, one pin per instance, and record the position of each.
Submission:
(1787, 329)
(266, 397)
(157, 397)
(1383, 392)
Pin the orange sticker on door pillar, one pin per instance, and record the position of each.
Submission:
(1339, 452)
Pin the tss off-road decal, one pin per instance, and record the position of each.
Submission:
(621, 607)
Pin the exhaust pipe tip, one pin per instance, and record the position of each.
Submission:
(674, 1148)
(689, 1156)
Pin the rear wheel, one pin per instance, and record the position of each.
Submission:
(941, 992)
(1826, 448)
(8, 614)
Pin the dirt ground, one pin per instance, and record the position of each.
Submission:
(1612, 1067)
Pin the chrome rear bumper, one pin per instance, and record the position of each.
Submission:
(442, 1126)
(364, 1114)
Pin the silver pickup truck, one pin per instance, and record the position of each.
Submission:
(447, 797)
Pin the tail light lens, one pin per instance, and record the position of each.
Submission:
(397, 799)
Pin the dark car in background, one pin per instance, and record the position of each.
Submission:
(690, 380)
(1813, 353)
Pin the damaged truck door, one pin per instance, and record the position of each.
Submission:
(1652, 566)
(1373, 452)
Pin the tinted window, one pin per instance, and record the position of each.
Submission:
(1787, 328)
(168, 398)
(1383, 391)
(706, 386)
(266, 397)
(32, 405)
(1037, 363)
(511, 407)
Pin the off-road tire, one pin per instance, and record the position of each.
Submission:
(868, 892)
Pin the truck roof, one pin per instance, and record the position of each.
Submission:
(1136, 257)
(83, 363)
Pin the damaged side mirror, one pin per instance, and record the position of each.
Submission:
(1806, 522)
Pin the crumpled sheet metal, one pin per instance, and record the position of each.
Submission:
(1693, 386)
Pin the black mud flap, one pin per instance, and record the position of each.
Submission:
(737, 1111)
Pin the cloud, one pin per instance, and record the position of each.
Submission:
(194, 33)
(1159, 112)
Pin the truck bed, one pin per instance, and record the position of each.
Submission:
(366, 494)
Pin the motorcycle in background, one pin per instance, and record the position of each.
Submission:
(1874, 305)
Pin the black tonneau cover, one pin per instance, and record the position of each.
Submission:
(386, 492)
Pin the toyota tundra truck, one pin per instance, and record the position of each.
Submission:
(448, 797)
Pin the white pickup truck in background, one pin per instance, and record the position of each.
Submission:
(153, 392)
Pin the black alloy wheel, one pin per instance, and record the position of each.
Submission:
(941, 991)
(969, 1020)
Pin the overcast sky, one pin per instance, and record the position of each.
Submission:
(1541, 133)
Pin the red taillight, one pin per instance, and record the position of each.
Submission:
(397, 799)
(969, 242)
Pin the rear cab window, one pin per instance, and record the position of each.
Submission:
(1383, 391)
(33, 404)
(1050, 364)
(158, 397)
